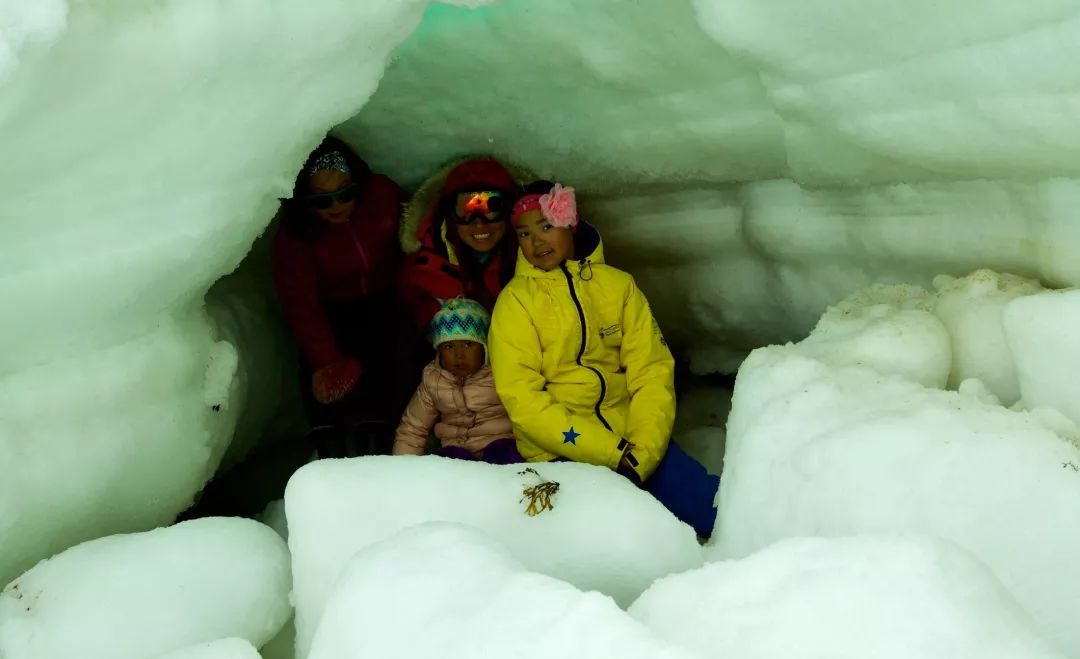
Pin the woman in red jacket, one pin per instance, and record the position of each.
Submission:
(456, 232)
(336, 267)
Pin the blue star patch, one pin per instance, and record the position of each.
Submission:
(570, 437)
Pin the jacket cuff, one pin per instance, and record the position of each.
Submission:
(621, 448)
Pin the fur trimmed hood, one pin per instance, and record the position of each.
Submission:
(428, 193)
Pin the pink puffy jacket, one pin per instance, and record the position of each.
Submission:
(465, 413)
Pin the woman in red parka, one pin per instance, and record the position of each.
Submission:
(336, 268)
(456, 232)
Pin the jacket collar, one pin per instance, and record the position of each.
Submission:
(588, 247)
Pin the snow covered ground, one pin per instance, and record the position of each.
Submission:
(751, 161)
(412, 583)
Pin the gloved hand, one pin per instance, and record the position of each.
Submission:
(627, 466)
(331, 382)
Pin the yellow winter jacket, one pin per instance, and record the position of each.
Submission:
(580, 363)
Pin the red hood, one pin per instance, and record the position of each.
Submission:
(477, 174)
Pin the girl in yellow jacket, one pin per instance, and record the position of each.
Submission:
(580, 363)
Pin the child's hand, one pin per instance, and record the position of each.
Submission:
(626, 465)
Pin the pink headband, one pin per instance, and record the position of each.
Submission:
(559, 207)
(530, 202)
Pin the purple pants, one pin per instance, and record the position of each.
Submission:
(498, 452)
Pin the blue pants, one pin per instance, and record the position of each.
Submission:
(685, 488)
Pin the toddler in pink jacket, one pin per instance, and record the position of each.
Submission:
(457, 395)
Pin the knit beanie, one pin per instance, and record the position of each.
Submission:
(460, 319)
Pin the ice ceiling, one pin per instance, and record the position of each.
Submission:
(751, 161)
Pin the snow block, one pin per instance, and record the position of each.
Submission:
(1043, 332)
(820, 450)
(971, 308)
(845, 598)
(603, 534)
(140, 595)
(448, 591)
(888, 328)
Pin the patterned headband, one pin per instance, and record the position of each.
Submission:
(331, 161)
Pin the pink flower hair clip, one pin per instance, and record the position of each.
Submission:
(560, 206)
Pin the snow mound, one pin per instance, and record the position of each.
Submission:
(1043, 335)
(140, 595)
(443, 590)
(971, 308)
(593, 538)
(887, 328)
(226, 648)
(850, 598)
(814, 449)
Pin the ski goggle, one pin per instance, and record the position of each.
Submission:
(489, 206)
(325, 200)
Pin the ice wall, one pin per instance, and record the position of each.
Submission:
(672, 93)
(754, 161)
(144, 145)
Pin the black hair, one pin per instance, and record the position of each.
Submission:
(536, 187)
(297, 215)
(586, 238)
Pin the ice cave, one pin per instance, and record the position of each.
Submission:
(856, 222)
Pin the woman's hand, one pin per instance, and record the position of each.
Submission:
(332, 382)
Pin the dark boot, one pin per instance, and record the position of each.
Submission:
(369, 438)
(328, 441)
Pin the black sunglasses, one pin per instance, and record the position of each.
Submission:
(325, 200)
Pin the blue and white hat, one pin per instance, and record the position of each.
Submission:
(460, 319)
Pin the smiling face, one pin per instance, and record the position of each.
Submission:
(543, 245)
(324, 181)
(478, 235)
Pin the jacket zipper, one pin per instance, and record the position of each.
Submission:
(581, 351)
(464, 401)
